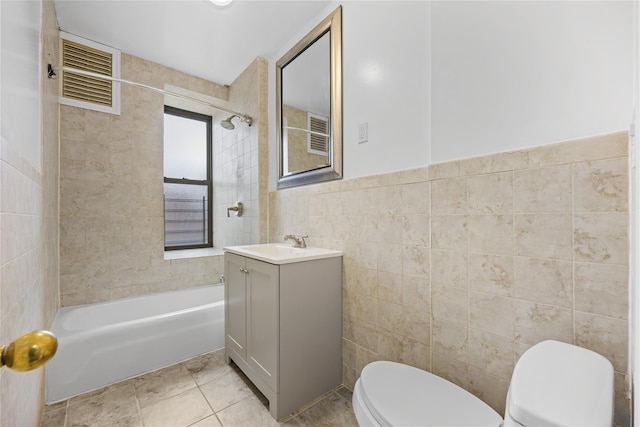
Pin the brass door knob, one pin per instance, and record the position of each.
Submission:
(30, 351)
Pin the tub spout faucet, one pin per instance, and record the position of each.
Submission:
(298, 241)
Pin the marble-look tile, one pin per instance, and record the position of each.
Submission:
(391, 228)
(162, 384)
(491, 353)
(450, 339)
(104, 406)
(333, 410)
(365, 335)
(538, 322)
(225, 391)
(365, 307)
(248, 412)
(449, 196)
(601, 237)
(492, 314)
(602, 289)
(178, 411)
(416, 198)
(592, 148)
(390, 258)
(116, 421)
(451, 369)
(390, 287)
(604, 335)
(360, 281)
(416, 230)
(416, 293)
(416, 354)
(415, 261)
(490, 389)
(210, 421)
(491, 193)
(389, 199)
(493, 274)
(362, 254)
(544, 236)
(54, 417)
(491, 234)
(449, 268)
(601, 186)
(390, 316)
(364, 357)
(444, 170)
(390, 346)
(545, 281)
(492, 163)
(450, 303)
(348, 352)
(543, 190)
(449, 232)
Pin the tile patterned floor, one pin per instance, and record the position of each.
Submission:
(201, 392)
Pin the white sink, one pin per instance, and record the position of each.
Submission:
(281, 253)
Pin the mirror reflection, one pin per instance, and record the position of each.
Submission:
(306, 109)
(309, 107)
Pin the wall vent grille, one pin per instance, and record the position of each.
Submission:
(88, 91)
(318, 141)
(86, 88)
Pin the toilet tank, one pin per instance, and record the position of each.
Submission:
(559, 384)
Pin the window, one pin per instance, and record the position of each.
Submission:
(187, 180)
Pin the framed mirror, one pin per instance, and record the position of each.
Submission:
(309, 107)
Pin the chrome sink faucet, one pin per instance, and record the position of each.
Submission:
(298, 241)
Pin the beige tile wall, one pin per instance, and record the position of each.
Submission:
(458, 268)
(29, 252)
(111, 189)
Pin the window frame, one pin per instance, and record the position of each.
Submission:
(208, 120)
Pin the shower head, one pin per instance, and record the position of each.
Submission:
(226, 123)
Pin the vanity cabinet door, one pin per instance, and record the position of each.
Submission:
(236, 307)
(263, 320)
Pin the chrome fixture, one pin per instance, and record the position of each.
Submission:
(226, 123)
(51, 73)
(30, 351)
(298, 241)
(321, 46)
(238, 208)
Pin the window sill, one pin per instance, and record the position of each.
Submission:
(192, 253)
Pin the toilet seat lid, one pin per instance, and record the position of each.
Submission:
(558, 384)
(401, 395)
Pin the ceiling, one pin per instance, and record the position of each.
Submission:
(194, 36)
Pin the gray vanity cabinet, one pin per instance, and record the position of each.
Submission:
(283, 327)
(252, 305)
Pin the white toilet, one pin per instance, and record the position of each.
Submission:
(553, 384)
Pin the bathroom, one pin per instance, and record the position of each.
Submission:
(453, 107)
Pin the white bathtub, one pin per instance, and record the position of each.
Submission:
(100, 344)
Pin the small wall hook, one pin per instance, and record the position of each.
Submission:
(50, 72)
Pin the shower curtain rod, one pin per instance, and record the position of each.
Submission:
(52, 75)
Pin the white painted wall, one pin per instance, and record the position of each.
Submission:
(510, 75)
(444, 80)
(20, 77)
(386, 84)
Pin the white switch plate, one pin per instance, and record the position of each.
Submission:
(363, 132)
